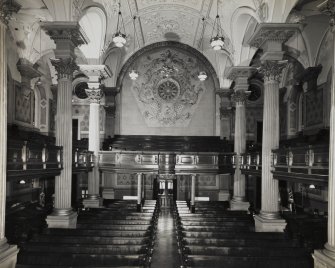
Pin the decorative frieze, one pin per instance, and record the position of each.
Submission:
(272, 70)
(65, 30)
(278, 32)
(7, 8)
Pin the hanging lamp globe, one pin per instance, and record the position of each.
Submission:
(133, 74)
(217, 42)
(119, 39)
(202, 76)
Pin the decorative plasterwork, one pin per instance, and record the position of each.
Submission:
(279, 32)
(7, 8)
(64, 67)
(65, 30)
(168, 99)
(206, 64)
(272, 70)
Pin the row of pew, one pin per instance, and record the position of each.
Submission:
(214, 236)
(114, 236)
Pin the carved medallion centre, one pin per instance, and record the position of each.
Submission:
(168, 89)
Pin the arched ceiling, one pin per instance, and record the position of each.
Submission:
(159, 20)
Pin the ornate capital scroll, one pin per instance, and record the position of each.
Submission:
(64, 67)
(94, 94)
(240, 96)
(272, 70)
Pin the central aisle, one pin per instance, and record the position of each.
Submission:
(165, 253)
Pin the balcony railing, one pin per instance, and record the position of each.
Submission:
(32, 159)
(166, 162)
(250, 163)
(307, 164)
(82, 160)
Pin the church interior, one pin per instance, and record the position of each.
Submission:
(167, 133)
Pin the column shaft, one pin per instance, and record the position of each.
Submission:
(270, 191)
(239, 145)
(63, 183)
(139, 189)
(193, 192)
(94, 145)
(3, 126)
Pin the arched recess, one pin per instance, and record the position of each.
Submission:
(243, 23)
(167, 97)
(94, 24)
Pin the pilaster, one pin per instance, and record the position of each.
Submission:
(225, 112)
(66, 35)
(240, 74)
(8, 253)
(325, 258)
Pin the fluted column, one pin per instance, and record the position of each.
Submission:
(270, 191)
(95, 95)
(271, 37)
(139, 191)
(240, 74)
(95, 74)
(8, 252)
(325, 258)
(67, 35)
(193, 177)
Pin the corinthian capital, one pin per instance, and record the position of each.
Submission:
(94, 94)
(7, 8)
(272, 70)
(64, 67)
(240, 96)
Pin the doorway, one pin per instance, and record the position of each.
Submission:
(166, 192)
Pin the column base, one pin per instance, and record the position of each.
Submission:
(324, 258)
(239, 205)
(269, 225)
(8, 255)
(93, 203)
(68, 221)
(108, 193)
(223, 196)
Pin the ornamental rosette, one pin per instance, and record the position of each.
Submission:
(64, 67)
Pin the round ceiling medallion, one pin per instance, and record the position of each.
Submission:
(168, 89)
